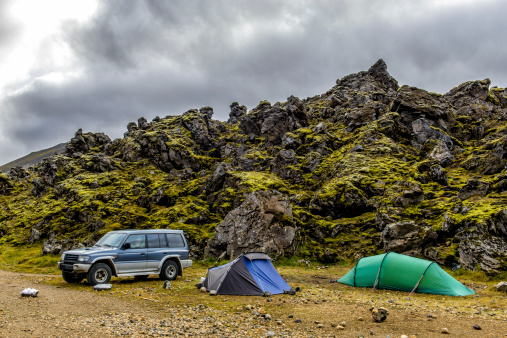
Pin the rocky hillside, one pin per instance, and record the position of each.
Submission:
(364, 168)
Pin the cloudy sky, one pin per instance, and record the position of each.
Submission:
(70, 64)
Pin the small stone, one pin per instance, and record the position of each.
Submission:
(339, 327)
(372, 333)
(269, 300)
(271, 333)
(291, 316)
(404, 336)
(239, 309)
(334, 325)
(267, 316)
(203, 289)
(213, 293)
(28, 292)
(167, 285)
(380, 314)
(477, 327)
(360, 319)
(445, 330)
(297, 320)
(262, 311)
(391, 301)
(225, 299)
(102, 287)
(320, 326)
(343, 324)
(248, 307)
(297, 289)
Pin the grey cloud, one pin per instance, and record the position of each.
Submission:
(9, 28)
(148, 58)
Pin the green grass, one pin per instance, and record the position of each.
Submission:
(27, 259)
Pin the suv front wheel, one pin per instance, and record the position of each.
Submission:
(169, 271)
(100, 273)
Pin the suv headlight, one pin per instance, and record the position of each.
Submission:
(63, 257)
(83, 259)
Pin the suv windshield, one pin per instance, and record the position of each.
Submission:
(111, 240)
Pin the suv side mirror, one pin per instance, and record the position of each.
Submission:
(126, 246)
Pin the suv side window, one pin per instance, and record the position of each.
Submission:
(163, 242)
(137, 241)
(154, 241)
(175, 241)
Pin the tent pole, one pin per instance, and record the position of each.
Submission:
(419, 281)
(378, 274)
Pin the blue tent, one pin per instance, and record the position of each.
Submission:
(250, 274)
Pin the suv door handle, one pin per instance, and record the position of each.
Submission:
(165, 252)
(142, 254)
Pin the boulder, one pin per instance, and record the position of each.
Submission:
(483, 244)
(98, 163)
(473, 188)
(282, 160)
(197, 122)
(468, 93)
(51, 246)
(423, 132)
(502, 286)
(236, 112)
(413, 102)
(263, 222)
(441, 153)
(404, 236)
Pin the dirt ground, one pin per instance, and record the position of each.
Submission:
(143, 308)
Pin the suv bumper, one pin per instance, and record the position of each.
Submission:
(77, 268)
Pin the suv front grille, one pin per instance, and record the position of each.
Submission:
(70, 258)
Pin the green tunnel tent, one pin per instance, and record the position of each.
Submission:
(394, 271)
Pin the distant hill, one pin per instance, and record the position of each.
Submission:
(33, 158)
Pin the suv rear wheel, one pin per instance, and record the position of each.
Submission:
(169, 271)
(100, 273)
(72, 278)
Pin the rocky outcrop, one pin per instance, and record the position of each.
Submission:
(273, 122)
(263, 223)
(360, 169)
(82, 143)
(236, 112)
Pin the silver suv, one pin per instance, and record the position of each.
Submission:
(137, 253)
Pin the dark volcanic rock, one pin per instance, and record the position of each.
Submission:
(236, 112)
(262, 223)
(82, 143)
(405, 236)
(483, 244)
(473, 188)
